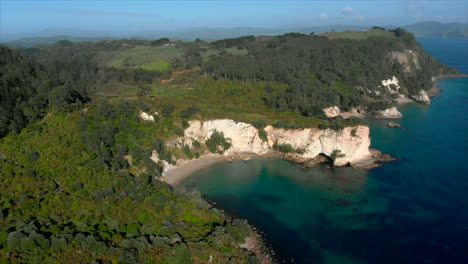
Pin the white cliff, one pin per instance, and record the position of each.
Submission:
(422, 97)
(242, 136)
(331, 111)
(390, 113)
(392, 83)
(147, 117)
(348, 146)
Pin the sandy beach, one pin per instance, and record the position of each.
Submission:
(187, 167)
(404, 100)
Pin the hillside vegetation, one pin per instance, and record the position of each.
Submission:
(77, 180)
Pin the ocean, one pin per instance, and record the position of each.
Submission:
(413, 210)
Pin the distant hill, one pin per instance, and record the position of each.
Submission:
(437, 29)
(35, 41)
(49, 37)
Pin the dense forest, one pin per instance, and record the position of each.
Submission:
(321, 72)
(77, 180)
(78, 186)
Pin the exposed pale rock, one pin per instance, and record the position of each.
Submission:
(341, 146)
(422, 97)
(155, 156)
(242, 136)
(146, 117)
(167, 167)
(407, 59)
(395, 125)
(349, 146)
(388, 84)
(332, 111)
(390, 113)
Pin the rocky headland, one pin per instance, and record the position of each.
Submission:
(308, 146)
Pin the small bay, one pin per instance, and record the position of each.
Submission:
(414, 210)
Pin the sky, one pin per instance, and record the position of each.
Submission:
(131, 16)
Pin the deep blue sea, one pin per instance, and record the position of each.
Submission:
(414, 210)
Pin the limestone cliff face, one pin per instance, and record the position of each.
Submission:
(390, 113)
(332, 111)
(422, 97)
(243, 137)
(348, 146)
(407, 58)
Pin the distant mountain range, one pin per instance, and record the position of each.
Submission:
(51, 36)
(433, 28)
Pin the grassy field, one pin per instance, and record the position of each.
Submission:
(361, 34)
(146, 57)
(217, 99)
(157, 65)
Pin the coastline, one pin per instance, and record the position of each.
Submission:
(186, 168)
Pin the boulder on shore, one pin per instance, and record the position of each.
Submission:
(390, 113)
(422, 97)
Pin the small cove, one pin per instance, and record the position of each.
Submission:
(414, 210)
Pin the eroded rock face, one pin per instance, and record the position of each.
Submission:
(422, 97)
(146, 117)
(243, 137)
(344, 147)
(390, 113)
(392, 85)
(332, 111)
(408, 59)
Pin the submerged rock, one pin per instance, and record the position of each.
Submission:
(395, 125)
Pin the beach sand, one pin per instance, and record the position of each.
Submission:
(187, 167)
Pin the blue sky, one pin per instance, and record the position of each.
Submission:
(123, 16)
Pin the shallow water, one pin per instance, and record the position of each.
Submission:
(414, 210)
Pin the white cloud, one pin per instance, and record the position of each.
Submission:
(347, 11)
(323, 16)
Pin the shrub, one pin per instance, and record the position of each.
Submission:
(28, 172)
(281, 124)
(144, 106)
(189, 111)
(217, 143)
(14, 240)
(239, 230)
(185, 124)
(27, 244)
(262, 134)
(284, 148)
(179, 132)
(3, 237)
(186, 149)
(158, 145)
(259, 124)
(133, 230)
(139, 153)
(353, 132)
(196, 144)
(167, 110)
(32, 156)
(58, 244)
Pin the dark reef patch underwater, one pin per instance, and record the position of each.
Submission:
(414, 210)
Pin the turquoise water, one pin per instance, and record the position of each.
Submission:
(414, 210)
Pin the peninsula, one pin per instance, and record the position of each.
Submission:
(90, 132)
